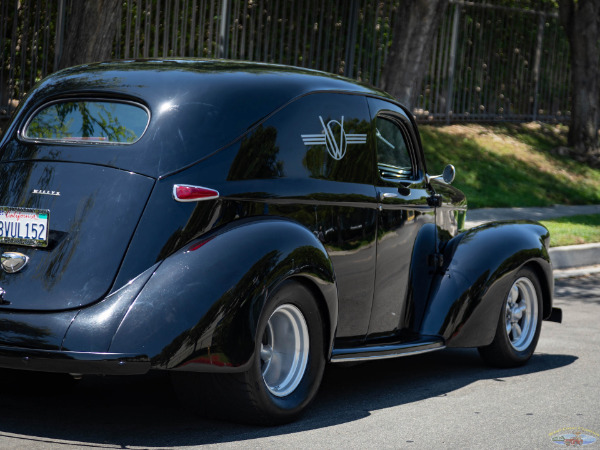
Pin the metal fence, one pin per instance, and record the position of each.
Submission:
(28, 33)
(487, 63)
(347, 37)
(496, 63)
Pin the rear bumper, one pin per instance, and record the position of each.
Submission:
(73, 362)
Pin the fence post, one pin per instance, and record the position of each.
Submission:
(452, 63)
(223, 30)
(537, 62)
(58, 43)
(351, 39)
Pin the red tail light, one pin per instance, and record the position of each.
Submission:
(187, 193)
(196, 246)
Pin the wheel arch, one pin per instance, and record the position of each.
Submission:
(479, 264)
(200, 309)
(546, 280)
(329, 322)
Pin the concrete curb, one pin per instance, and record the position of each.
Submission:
(480, 216)
(575, 272)
(571, 256)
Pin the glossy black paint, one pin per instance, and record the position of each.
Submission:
(403, 212)
(227, 297)
(79, 363)
(134, 280)
(34, 330)
(91, 223)
(93, 328)
(469, 291)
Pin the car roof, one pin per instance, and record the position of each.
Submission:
(147, 77)
(224, 98)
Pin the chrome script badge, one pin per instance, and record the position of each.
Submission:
(44, 192)
(12, 262)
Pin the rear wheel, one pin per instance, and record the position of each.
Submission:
(284, 350)
(285, 371)
(519, 324)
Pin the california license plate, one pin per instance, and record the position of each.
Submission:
(24, 226)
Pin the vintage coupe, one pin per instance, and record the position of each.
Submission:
(240, 225)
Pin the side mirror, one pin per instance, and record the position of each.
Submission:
(447, 176)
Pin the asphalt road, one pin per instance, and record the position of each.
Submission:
(447, 399)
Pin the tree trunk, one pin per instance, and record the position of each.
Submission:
(90, 32)
(581, 21)
(415, 27)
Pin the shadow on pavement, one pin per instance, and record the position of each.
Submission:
(142, 411)
(584, 289)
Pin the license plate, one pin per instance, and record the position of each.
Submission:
(24, 226)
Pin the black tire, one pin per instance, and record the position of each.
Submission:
(519, 324)
(255, 396)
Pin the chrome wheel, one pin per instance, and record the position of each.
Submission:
(521, 313)
(284, 350)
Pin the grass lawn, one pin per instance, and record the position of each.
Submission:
(506, 165)
(573, 230)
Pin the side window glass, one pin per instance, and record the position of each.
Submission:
(393, 156)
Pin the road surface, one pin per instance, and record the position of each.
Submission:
(447, 399)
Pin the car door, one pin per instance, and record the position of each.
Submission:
(335, 156)
(404, 219)
(317, 168)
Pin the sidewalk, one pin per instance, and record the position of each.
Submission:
(573, 260)
(477, 217)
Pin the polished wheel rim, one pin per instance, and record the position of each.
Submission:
(284, 350)
(521, 313)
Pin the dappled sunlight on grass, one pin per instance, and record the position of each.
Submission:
(573, 230)
(510, 165)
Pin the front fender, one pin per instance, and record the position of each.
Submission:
(468, 294)
(200, 309)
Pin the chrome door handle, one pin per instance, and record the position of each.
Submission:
(381, 196)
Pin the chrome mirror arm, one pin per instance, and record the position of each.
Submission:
(447, 176)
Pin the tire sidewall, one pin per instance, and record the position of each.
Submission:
(284, 409)
(522, 356)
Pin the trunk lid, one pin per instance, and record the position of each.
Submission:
(93, 213)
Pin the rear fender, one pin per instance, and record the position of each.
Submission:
(200, 309)
(466, 297)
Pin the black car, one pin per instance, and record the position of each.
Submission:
(241, 225)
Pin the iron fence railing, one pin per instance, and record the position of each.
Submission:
(496, 63)
(28, 39)
(347, 37)
(487, 62)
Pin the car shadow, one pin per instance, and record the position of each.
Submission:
(143, 411)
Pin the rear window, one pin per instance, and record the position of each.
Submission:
(88, 121)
